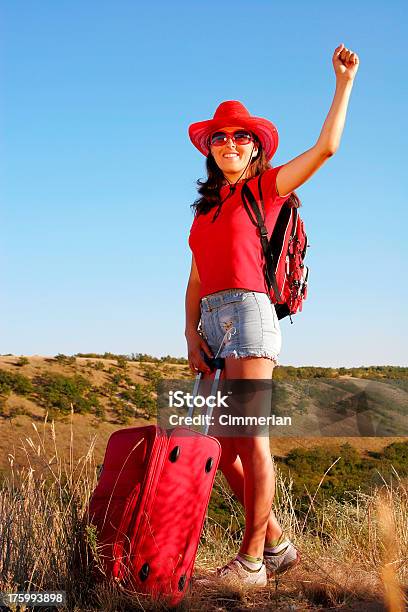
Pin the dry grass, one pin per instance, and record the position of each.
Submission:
(43, 519)
(356, 557)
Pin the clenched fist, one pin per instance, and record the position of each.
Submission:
(345, 63)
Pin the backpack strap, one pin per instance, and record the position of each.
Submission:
(252, 209)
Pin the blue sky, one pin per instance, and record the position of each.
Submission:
(98, 173)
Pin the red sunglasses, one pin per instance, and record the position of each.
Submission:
(240, 137)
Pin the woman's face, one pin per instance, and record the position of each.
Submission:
(232, 158)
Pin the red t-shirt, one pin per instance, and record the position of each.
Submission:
(228, 252)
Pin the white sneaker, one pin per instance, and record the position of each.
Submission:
(235, 573)
(280, 563)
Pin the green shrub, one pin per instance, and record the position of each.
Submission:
(153, 375)
(22, 361)
(144, 357)
(351, 472)
(21, 385)
(3, 403)
(116, 379)
(98, 365)
(140, 398)
(65, 359)
(58, 392)
(122, 363)
(100, 412)
(169, 359)
(105, 355)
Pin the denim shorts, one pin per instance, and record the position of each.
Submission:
(240, 323)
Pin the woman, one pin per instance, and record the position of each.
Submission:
(227, 293)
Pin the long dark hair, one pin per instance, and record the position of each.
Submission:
(209, 189)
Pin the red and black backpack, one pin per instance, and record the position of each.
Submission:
(285, 273)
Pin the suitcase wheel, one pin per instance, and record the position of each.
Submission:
(144, 572)
(209, 464)
(174, 455)
(182, 582)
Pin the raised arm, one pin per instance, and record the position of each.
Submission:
(300, 169)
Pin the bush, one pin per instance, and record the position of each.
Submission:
(100, 412)
(122, 363)
(169, 359)
(22, 361)
(153, 375)
(99, 355)
(2, 405)
(98, 365)
(116, 379)
(144, 357)
(141, 399)
(65, 359)
(350, 472)
(14, 382)
(58, 392)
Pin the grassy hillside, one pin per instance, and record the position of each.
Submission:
(112, 391)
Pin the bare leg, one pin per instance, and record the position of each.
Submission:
(231, 467)
(251, 475)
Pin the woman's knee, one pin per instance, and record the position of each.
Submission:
(255, 448)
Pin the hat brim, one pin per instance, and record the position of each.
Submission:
(265, 130)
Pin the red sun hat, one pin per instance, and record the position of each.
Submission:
(233, 113)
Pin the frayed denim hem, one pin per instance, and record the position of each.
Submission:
(241, 354)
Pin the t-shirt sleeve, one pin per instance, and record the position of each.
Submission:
(268, 185)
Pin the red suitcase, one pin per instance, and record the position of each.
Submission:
(150, 503)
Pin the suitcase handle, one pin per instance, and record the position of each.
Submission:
(214, 363)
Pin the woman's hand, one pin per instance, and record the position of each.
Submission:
(196, 344)
(345, 63)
